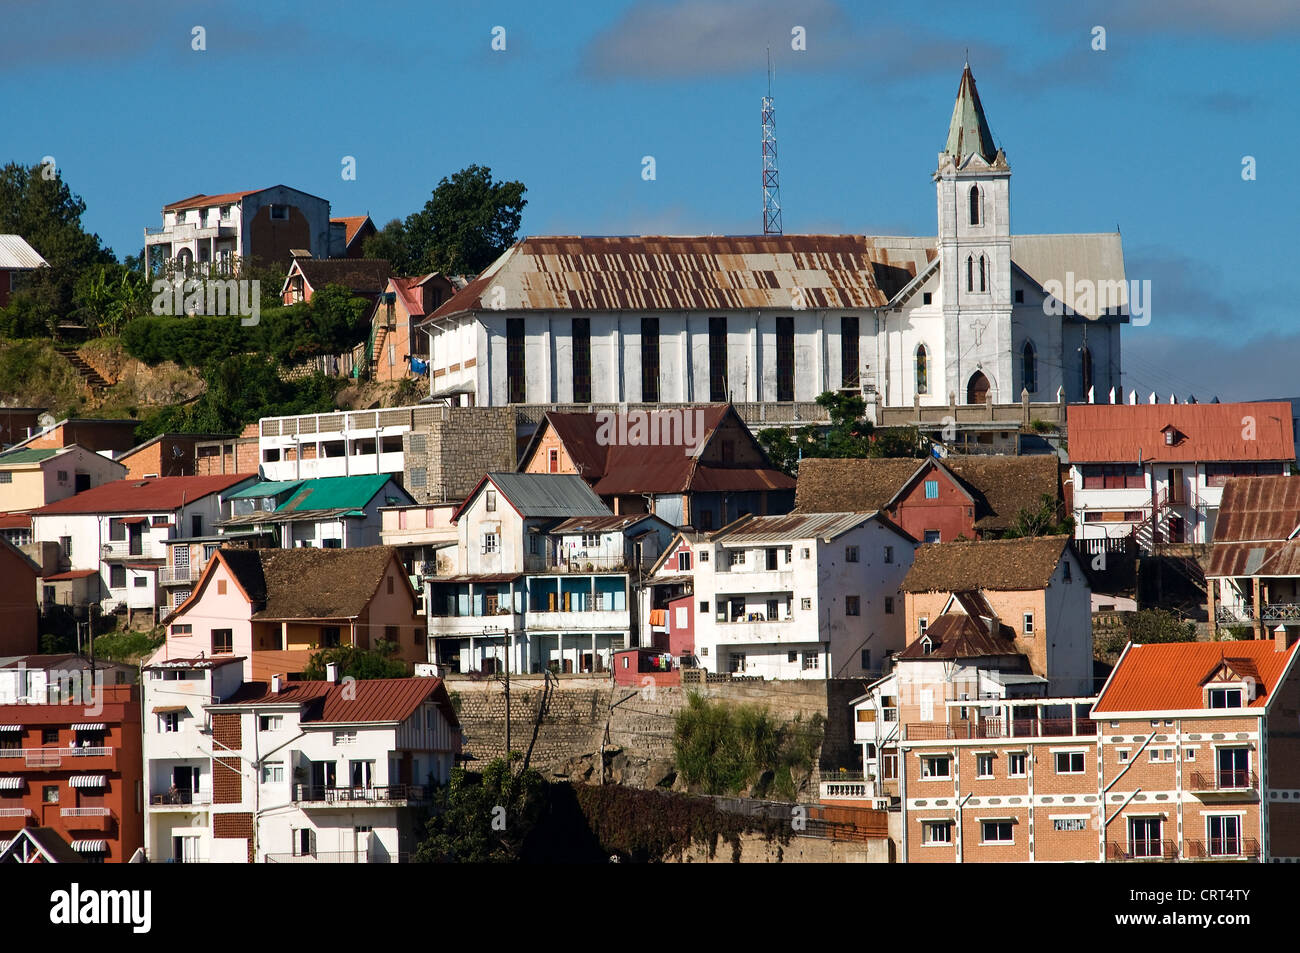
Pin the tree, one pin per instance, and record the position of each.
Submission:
(107, 297)
(37, 204)
(465, 226)
(358, 663)
(483, 818)
(1146, 627)
(849, 435)
(1045, 519)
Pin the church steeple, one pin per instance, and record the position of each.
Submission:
(969, 131)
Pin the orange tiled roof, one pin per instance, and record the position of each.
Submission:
(1118, 433)
(207, 201)
(353, 225)
(1169, 677)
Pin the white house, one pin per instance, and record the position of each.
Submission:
(120, 529)
(975, 311)
(281, 772)
(1157, 471)
(328, 512)
(801, 596)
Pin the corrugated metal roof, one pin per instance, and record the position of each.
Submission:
(1077, 262)
(549, 494)
(26, 455)
(207, 201)
(142, 496)
(765, 529)
(599, 524)
(1170, 676)
(265, 488)
(16, 254)
(336, 493)
(1118, 433)
(1252, 533)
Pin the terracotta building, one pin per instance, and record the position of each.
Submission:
(166, 455)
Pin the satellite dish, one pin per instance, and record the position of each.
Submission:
(46, 421)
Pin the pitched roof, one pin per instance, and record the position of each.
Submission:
(1110, 433)
(968, 130)
(956, 635)
(1252, 535)
(143, 496)
(207, 201)
(377, 700)
(329, 493)
(26, 455)
(602, 524)
(352, 224)
(794, 526)
(47, 841)
(696, 272)
(999, 486)
(311, 583)
(999, 564)
(17, 255)
(364, 276)
(1078, 263)
(15, 520)
(559, 495)
(1170, 676)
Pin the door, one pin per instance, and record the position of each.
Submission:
(136, 534)
(977, 390)
(1177, 529)
(1225, 836)
(1144, 836)
(81, 482)
(323, 777)
(1234, 767)
(1177, 486)
(362, 774)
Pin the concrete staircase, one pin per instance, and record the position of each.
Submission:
(91, 377)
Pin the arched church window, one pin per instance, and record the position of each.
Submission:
(974, 204)
(1085, 368)
(1029, 367)
(970, 272)
(983, 271)
(922, 370)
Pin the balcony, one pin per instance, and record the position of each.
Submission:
(180, 575)
(1138, 850)
(389, 795)
(1223, 781)
(1269, 612)
(1000, 728)
(594, 620)
(14, 818)
(178, 800)
(466, 626)
(83, 759)
(131, 549)
(97, 819)
(1223, 848)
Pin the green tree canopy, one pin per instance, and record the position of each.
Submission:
(849, 435)
(484, 819)
(1045, 519)
(353, 662)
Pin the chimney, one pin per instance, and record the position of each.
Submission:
(1279, 638)
(275, 684)
(332, 672)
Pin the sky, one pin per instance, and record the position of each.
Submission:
(1152, 134)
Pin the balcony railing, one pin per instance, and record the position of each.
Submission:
(129, 549)
(1269, 612)
(1000, 728)
(1224, 848)
(1144, 849)
(53, 757)
(15, 812)
(1224, 780)
(179, 797)
(85, 812)
(383, 794)
(174, 575)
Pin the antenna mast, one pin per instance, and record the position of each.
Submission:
(771, 188)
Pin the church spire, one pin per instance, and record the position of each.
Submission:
(969, 131)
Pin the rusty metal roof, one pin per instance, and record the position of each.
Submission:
(770, 529)
(694, 273)
(1252, 535)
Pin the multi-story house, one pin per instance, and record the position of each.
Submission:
(166, 455)
(424, 535)
(94, 434)
(394, 339)
(218, 231)
(1186, 754)
(811, 596)
(327, 512)
(1253, 574)
(1035, 587)
(31, 478)
(285, 771)
(1157, 471)
(16, 258)
(515, 599)
(276, 607)
(936, 501)
(698, 466)
(119, 531)
(70, 753)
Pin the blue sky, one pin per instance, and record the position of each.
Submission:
(1149, 134)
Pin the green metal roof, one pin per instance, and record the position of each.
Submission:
(267, 488)
(336, 493)
(26, 455)
(969, 131)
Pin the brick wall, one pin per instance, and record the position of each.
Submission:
(227, 732)
(227, 782)
(234, 826)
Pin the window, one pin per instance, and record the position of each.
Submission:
(1085, 368)
(345, 737)
(182, 629)
(1016, 764)
(805, 553)
(1029, 365)
(983, 271)
(6, 477)
(1225, 698)
(1069, 823)
(704, 607)
(140, 582)
(889, 555)
(169, 722)
(650, 360)
(931, 536)
(736, 662)
(936, 832)
(975, 205)
(491, 542)
(63, 476)
(1144, 834)
(516, 391)
(1232, 768)
(717, 359)
(221, 587)
(852, 606)
(1121, 755)
(927, 297)
(805, 602)
(49, 736)
(1189, 754)
(889, 605)
(50, 794)
(117, 577)
(850, 376)
(196, 524)
(970, 272)
(864, 660)
(811, 661)
(785, 359)
(1020, 296)
(922, 624)
(1158, 755)
(936, 767)
(1029, 623)
(582, 360)
(931, 489)
(1069, 762)
(1224, 833)
(1065, 572)
(273, 772)
(270, 722)
(984, 766)
(737, 557)
(1117, 476)
(65, 546)
(922, 375)
(490, 500)
(996, 832)
(223, 641)
(280, 213)
(850, 554)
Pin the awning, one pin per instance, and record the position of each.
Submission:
(11, 727)
(90, 846)
(89, 726)
(167, 709)
(88, 781)
(132, 520)
(11, 783)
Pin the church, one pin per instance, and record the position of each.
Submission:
(973, 315)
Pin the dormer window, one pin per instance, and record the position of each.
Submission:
(1224, 698)
(927, 646)
(1173, 436)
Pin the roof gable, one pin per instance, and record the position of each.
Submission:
(1171, 676)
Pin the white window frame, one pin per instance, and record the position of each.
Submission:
(1070, 753)
(273, 772)
(979, 764)
(1012, 758)
(1077, 822)
(927, 833)
(998, 842)
(926, 769)
(1028, 627)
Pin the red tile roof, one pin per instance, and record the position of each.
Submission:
(1118, 433)
(363, 700)
(73, 574)
(143, 496)
(1170, 676)
(207, 201)
(15, 521)
(352, 224)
